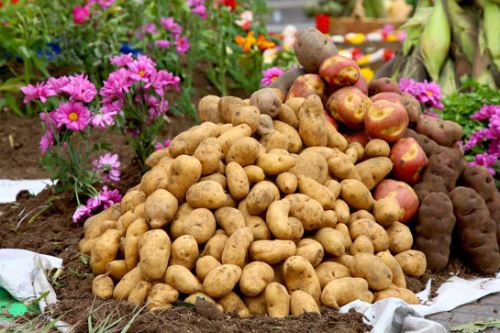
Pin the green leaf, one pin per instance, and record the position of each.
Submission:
(478, 326)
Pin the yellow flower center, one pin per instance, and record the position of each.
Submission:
(142, 72)
(73, 116)
(274, 78)
(429, 93)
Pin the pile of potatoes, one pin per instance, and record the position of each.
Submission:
(269, 206)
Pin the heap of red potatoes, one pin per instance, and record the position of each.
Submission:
(424, 152)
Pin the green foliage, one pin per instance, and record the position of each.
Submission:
(478, 326)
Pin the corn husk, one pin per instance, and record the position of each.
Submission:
(464, 28)
(414, 28)
(481, 67)
(447, 79)
(435, 41)
(491, 28)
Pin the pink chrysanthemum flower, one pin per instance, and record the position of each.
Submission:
(81, 213)
(486, 112)
(80, 14)
(107, 166)
(121, 60)
(162, 80)
(46, 142)
(169, 24)
(56, 84)
(117, 83)
(39, 91)
(109, 197)
(182, 44)
(141, 69)
(271, 74)
(74, 115)
(486, 160)
(104, 118)
(162, 43)
(200, 10)
(162, 145)
(430, 93)
(80, 88)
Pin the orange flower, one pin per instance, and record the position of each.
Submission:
(246, 42)
(264, 44)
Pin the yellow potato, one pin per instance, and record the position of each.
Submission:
(413, 262)
(131, 199)
(362, 244)
(221, 280)
(243, 151)
(229, 137)
(316, 191)
(236, 247)
(274, 139)
(259, 228)
(406, 295)
(184, 251)
(287, 182)
(342, 210)
(154, 254)
(199, 223)
(312, 122)
(160, 208)
(102, 287)
(249, 115)
(294, 140)
(398, 277)
(359, 149)
(356, 194)
(226, 106)
(334, 186)
(161, 296)
(345, 260)
(329, 219)
(206, 194)
(373, 231)
(131, 243)
(299, 274)
(377, 147)
(94, 231)
(352, 154)
(311, 164)
(182, 279)
(139, 293)
(310, 249)
(209, 154)
(127, 283)
(184, 172)
(111, 214)
(254, 173)
(307, 210)
(335, 139)
(272, 251)
(344, 230)
(155, 157)
(341, 291)
(288, 116)
(341, 167)
(116, 269)
(237, 181)
(230, 219)
(274, 164)
(255, 277)
(361, 214)
(204, 265)
(208, 109)
(373, 170)
(215, 246)
(104, 250)
(332, 241)
(400, 237)
(302, 302)
(233, 303)
(156, 178)
(261, 196)
(277, 300)
(278, 221)
(329, 270)
(217, 177)
(373, 270)
(256, 305)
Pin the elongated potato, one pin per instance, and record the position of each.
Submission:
(341, 167)
(206, 194)
(116, 269)
(161, 296)
(243, 151)
(312, 122)
(186, 142)
(299, 274)
(215, 246)
(302, 302)
(406, 295)
(182, 279)
(288, 116)
(329, 270)
(400, 238)
(209, 154)
(184, 251)
(131, 199)
(160, 208)
(287, 182)
(398, 277)
(104, 250)
(413, 262)
(329, 219)
(344, 230)
(255, 277)
(236, 247)
(373, 170)
(386, 211)
(204, 265)
(373, 270)
(221, 280)
(261, 196)
(139, 293)
(310, 249)
(272, 251)
(342, 210)
(233, 303)
(277, 300)
(373, 231)
(232, 135)
(294, 140)
(316, 191)
(362, 244)
(278, 221)
(237, 181)
(131, 242)
(154, 254)
(341, 291)
(356, 194)
(102, 286)
(127, 283)
(332, 241)
(334, 186)
(274, 164)
(254, 173)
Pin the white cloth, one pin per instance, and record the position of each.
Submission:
(10, 188)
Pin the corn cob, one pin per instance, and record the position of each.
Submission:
(435, 40)
(491, 24)
(480, 67)
(464, 29)
(414, 27)
(447, 79)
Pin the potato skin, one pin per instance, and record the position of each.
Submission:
(311, 48)
(312, 124)
(237, 181)
(206, 194)
(182, 279)
(230, 219)
(209, 154)
(215, 246)
(274, 164)
(362, 244)
(373, 170)
(256, 305)
(199, 223)
(316, 191)
(342, 210)
(131, 242)
(266, 101)
(310, 249)
(387, 211)
(400, 237)
(406, 295)
(356, 194)
(116, 269)
(373, 231)
(184, 251)
(277, 300)
(102, 286)
(413, 262)
(161, 296)
(272, 251)
(184, 171)
(332, 240)
(236, 247)
(287, 182)
(160, 208)
(377, 147)
(329, 270)
(127, 283)
(243, 151)
(140, 292)
(255, 277)
(249, 115)
(341, 291)
(373, 270)
(398, 277)
(104, 250)
(204, 265)
(299, 274)
(261, 196)
(154, 254)
(233, 303)
(221, 280)
(131, 199)
(307, 210)
(302, 302)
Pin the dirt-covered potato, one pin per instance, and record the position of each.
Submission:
(332, 241)
(277, 300)
(208, 109)
(102, 287)
(266, 101)
(344, 290)
(237, 181)
(313, 165)
(243, 151)
(206, 194)
(307, 210)
(444, 132)
(302, 302)
(356, 194)
(255, 277)
(249, 115)
(182, 279)
(329, 218)
(341, 167)
(412, 262)
(329, 270)
(316, 191)
(154, 254)
(372, 230)
(400, 237)
(310, 249)
(299, 274)
(230, 219)
(160, 208)
(236, 247)
(221, 280)
(104, 250)
(288, 116)
(199, 223)
(311, 48)
(287, 182)
(373, 170)
(161, 296)
(256, 305)
(272, 251)
(233, 303)
(312, 123)
(373, 270)
(261, 196)
(139, 293)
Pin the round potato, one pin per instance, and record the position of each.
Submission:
(341, 291)
(277, 300)
(154, 254)
(102, 286)
(356, 194)
(400, 237)
(261, 196)
(413, 262)
(373, 231)
(233, 303)
(184, 251)
(160, 208)
(184, 171)
(255, 277)
(221, 280)
(254, 173)
(302, 302)
(310, 249)
(299, 274)
(377, 147)
(206, 194)
(161, 296)
(386, 211)
(199, 223)
(362, 244)
(287, 182)
(131, 199)
(243, 151)
(373, 270)
(230, 219)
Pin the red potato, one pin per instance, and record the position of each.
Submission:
(409, 159)
(339, 71)
(349, 106)
(360, 137)
(306, 85)
(384, 84)
(386, 120)
(362, 85)
(387, 96)
(406, 196)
